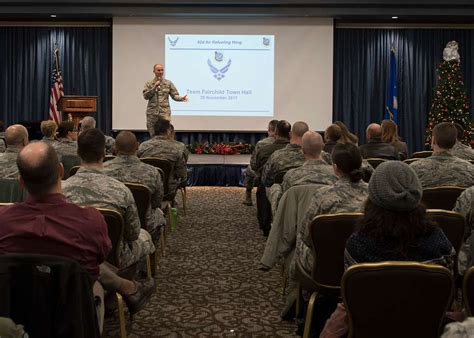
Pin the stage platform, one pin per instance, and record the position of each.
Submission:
(217, 170)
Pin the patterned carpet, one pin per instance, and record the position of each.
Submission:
(209, 284)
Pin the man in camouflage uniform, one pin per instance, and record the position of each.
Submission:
(88, 122)
(314, 170)
(162, 147)
(289, 157)
(90, 186)
(16, 138)
(442, 167)
(67, 144)
(461, 150)
(127, 167)
(465, 206)
(157, 92)
(250, 175)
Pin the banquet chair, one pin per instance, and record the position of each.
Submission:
(468, 291)
(422, 154)
(69, 161)
(375, 161)
(11, 191)
(396, 299)
(443, 197)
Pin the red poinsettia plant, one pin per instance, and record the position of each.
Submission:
(221, 148)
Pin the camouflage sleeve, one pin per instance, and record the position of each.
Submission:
(132, 221)
(157, 196)
(464, 205)
(174, 93)
(285, 185)
(267, 173)
(149, 90)
(180, 170)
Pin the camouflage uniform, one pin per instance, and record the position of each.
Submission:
(185, 150)
(158, 101)
(162, 147)
(8, 167)
(443, 168)
(49, 140)
(250, 175)
(462, 151)
(109, 144)
(311, 172)
(3, 144)
(465, 206)
(342, 196)
(92, 187)
(65, 147)
(281, 160)
(129, 168)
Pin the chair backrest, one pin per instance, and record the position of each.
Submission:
(279, 177)
(142, 196)
(422, 154)
(375, 161)
(452, 224)
(410, 160)
(11, 191)
(69, 161)
(443, 197)
(115, 225)
(329, 234)
(468, 291)
(108, 158)
(396, 299)
(73, 170)
(51, 296)
(165, 165)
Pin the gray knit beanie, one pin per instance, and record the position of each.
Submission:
(394, 185)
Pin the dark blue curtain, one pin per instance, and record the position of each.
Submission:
(361, 67)
(26, 62)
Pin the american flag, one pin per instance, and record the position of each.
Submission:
(56, 90)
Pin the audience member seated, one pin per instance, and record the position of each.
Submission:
(127, 167)
(289, 157)
(161, 146)
(16, 137)
(3, 145)
(67, 144)
(442, 167)
(49, 225)
(282, 139)
(375, 147)
(332, 135)
(250, 175)
(314, 170)
(459, 149)
(91, 186)
(89, 122)
(346, 135)
(181, 144)
(465, 206)
(347, 194)
(394, 228)
(49, 128)
(390, 136)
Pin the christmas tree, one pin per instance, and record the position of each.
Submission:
(450, 102)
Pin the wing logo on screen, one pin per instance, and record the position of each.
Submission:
(266, 41)
(173, 42)
(218, 72)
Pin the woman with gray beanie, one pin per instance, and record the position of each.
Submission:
(394, 227)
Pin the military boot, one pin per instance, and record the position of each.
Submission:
(248, 198)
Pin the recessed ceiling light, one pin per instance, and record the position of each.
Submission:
(53, 15)
(394, 17)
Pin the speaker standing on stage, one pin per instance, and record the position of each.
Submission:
(156, 92)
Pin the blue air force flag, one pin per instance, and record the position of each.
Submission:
(391, 109)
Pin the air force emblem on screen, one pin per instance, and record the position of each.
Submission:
(266, 41)
(173, 42)
(218, 72)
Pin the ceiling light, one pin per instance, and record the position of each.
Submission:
(394, 17)
(53, 15)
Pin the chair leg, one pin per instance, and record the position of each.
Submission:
(298, 300)
(309, 315)
(183, 199)
(162, 242)
(283, 279)
(121, 313)
(149, 272)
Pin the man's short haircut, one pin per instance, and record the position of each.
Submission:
(64, 128)
(283, 129)
(87, 122)
(126, 143)
(91, 145)
(445, 135)
(333, 133)
(15, 135)
(39, 176)
(48, 128)
(299, 128)
(460, 131)
(374, 130)
(272, 125)
(162, 126)
(312, 143)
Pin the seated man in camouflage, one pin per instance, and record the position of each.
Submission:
(49, 129)
(67, 144)
(181, 144)
(88, 122)
(442, 167)
(127, 167)
(90, 186)
(465, 206)
(162, 147)
(250, 174)
(459, 149)
(16, 138)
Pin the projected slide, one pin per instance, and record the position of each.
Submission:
(223, 75)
